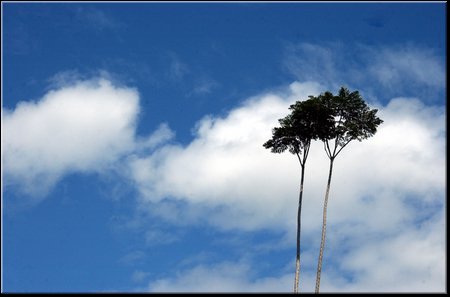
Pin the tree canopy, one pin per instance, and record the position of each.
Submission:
(308, 120)
(353, 120)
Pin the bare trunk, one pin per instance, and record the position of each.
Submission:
(297, 260)
(324, 227)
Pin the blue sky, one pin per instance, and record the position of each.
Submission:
(132, 155)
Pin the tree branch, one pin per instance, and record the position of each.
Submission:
(325, 145)
(335, 146)
(306, 151)
(299, 159)
(343, 146)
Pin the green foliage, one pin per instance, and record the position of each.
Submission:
(344, 118)
(353, 119)
(308, 120)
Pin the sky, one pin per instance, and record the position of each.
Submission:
(132, 157)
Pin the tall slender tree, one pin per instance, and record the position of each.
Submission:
(353, 120)
(306, 122)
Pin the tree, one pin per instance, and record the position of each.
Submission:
(353, 120)
(306, 122)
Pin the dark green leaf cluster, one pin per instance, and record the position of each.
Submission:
(344, 117)
(353, 118)
(308, 120)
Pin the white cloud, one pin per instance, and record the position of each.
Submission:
(309, 61)
(157, 237)
(204, 86)
(96, 19)
(395, 70)
(177, 69)
(393, 66)
(139, 276)
(225, 162)
(383, 190)
(160, 136)
(132, 258)
(410, 261)
(86, 126)
(221, 277)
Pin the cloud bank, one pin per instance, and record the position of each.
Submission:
(226, 167)
(386, 218)
(221, 277)
(84, 127)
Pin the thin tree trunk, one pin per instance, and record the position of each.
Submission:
(324, 227)
(297, 260)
